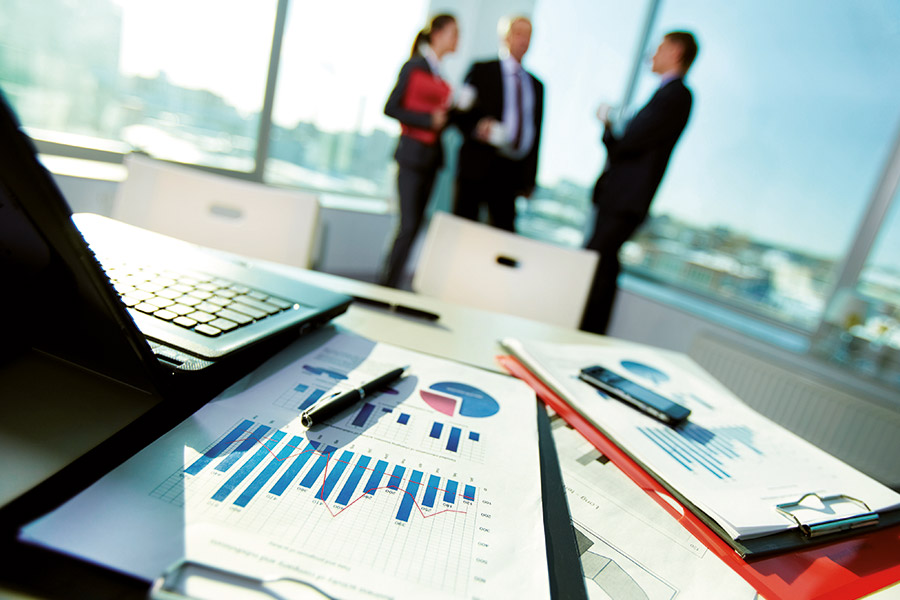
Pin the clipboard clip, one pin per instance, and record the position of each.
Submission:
(173, 582)
(812, 530)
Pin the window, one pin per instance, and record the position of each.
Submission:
(339, 62)
(790, 129)
(165, 77)
(581, 67)
(861, 328)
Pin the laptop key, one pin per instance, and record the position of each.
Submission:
(165, 315)
(146, 308)
(223, 324)
(239, 318)
(201, 294)
(207, 307)
(282, 304)
(184, 322)
(201, 316)
(248, 310)
(160, 302)
(263, 306)
(169, 293)
(220, 301)
(181, 309)
(207, 330)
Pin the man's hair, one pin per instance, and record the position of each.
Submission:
(506, 23)
(688, 45)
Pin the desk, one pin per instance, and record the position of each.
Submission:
(38, 438)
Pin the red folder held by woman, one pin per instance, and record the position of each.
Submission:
(425, 93)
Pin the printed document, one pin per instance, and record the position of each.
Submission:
(728, 460)
(629, 546)
(430, 488)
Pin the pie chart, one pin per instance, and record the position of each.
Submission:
(645, 371)
(452, 398)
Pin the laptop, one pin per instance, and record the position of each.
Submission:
(142, 308)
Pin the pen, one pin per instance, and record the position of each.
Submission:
(330, 406)
(398, 308)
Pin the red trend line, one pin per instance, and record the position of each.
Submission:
(355, 500)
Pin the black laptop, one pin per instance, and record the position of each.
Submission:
(145, 309)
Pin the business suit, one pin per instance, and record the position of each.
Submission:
(485, 174)
(418, 162)
(635, 165)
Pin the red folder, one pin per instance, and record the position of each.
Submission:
(424, 93)
(847, 569)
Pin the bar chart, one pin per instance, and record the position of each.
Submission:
(256, 461)
(331, 493)
(709, 450)
(451, 439)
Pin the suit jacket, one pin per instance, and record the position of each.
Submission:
(475, 157)
(637, 160)
(412, 150)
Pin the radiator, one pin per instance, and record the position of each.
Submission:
(861, 432)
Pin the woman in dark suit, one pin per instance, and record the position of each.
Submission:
(420, 101)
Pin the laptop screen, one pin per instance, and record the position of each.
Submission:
(56, 297)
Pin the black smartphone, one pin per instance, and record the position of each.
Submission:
(636, 395)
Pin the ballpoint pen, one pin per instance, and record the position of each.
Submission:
(398, 308)
(331, 405)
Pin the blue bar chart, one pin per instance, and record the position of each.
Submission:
(454, 440)
(709, 450)
(363, 415)
(258, 460)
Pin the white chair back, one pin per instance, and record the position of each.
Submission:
(220, 212)
(477, 265)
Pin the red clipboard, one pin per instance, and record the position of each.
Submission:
(843, 570)
(424, 93)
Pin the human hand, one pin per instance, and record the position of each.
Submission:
(483, 128)
(438, 119)
(603, 112)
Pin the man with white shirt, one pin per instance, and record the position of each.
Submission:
(502, 131)
(635, 163)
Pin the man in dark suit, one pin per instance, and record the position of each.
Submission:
(502, 131)
(635, 164)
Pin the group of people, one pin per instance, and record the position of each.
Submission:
(499, 111)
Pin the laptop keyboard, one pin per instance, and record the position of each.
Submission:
(207, 305)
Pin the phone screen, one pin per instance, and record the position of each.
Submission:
(637, 395)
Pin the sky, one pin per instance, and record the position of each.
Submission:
(796, 104)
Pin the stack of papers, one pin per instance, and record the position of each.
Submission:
(630, 547)
(430, 488)
(726, 460)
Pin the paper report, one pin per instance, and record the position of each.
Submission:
(727, 459)
(629, 546)
(430, 488)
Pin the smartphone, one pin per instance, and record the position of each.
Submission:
(634, 394)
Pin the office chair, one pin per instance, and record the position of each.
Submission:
(221, 212)
(474, 264)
